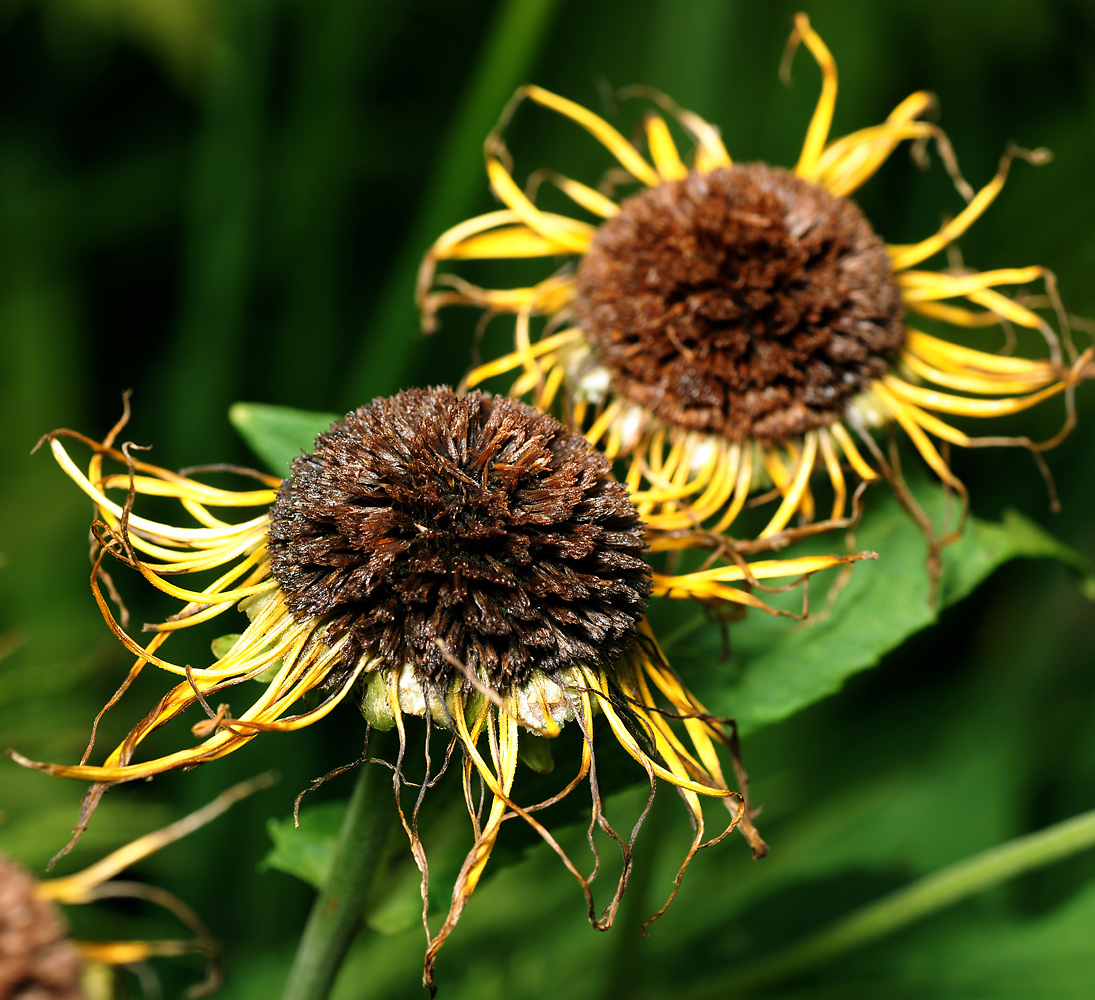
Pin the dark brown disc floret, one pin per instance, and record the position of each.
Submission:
(37, 959)
(474, 520)
(745, 302)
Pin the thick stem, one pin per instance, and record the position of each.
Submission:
(339, 909)
(929, 894)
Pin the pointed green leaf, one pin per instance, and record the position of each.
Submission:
(278, 434)
(778, 668)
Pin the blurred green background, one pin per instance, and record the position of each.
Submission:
(214, 200)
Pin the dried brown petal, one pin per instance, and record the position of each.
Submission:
(745, 302)
(475, 520)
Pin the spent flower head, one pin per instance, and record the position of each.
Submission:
(464, 559)
(731, 328)
(39, 960)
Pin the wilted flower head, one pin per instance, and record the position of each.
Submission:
(732, 327)
(467, 558)
(38, 958)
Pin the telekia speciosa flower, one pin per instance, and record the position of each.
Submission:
(730, 328)
(39, 960)
(463, 559)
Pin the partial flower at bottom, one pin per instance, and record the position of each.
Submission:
(38, 958)
(730, 328)
(465, 559)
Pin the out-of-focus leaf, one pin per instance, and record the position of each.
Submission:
(988, 544)
(222, 228)
(306, 851)
(777, 669)
(278, 434)
(175, 33)
(397, 902)
(975, 955)
(517, 35)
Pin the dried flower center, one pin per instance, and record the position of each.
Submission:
(473, 520)
(745, 302)
(37, 959)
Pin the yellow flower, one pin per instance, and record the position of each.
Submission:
(731, 328)
(37, 956)
(468, 559)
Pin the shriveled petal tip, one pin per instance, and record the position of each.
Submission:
(91, 772)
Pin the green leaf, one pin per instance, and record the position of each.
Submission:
(305, 851)
(987, 544)
(395, 901)
(777, 669)
(535, 752)
(278, 434)
(222, 645)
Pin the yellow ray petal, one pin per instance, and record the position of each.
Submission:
(515, 359)
(818, 132)
(905, 256)
(189, 489)
(849, 164)
(956, 358)
(792, 499)
(76, 888)
(604, 421)
(581, 194)
(510, 242)
(727, 458)
(925, 286)
(629, 743)
(923, 444)
(629, 157)
(955, 315)
(851, 160)
(933, 425)
(462, 231)
(663, 151)
(764, 569)
(1008, 308)
(161, 531)
(851, 452)
(969, 381)
(133, 952)
(836, 474)
(741, 491)
(947, 403)
(570, 235)
(710, 153)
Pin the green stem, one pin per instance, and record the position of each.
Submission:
(932, 893)
(339, 909)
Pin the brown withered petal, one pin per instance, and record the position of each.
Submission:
(474, 520)
(37, 959)
(745, 301)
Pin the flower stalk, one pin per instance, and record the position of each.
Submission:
(926, 896)
(339, 909)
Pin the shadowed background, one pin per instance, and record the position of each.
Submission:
(215, 201)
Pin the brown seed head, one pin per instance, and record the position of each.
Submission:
(37, 959)
(744, 302)
(475, 520)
